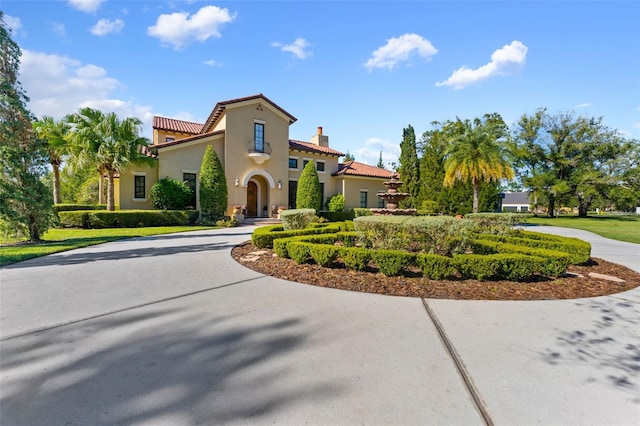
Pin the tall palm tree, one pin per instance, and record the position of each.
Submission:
(112, 145)
(56, 135)
(476, 154)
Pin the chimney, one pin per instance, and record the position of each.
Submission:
(320, 139)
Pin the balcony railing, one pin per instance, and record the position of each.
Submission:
(259, 147)
(259, 151)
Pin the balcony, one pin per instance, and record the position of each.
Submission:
(259, 151)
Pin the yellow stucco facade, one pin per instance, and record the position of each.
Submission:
(262, 166)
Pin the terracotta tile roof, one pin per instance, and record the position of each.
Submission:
(220, 107)
(171, 124)
(313, 148)
(353, 168)
(188, 139)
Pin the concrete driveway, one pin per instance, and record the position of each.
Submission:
(170, 330)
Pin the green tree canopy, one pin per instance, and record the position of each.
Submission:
(56, 135)
(25, 202)
(213, 187)
(110, 144)
(349, 157)
(477, 155)
(309, 195)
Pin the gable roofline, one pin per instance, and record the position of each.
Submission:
(175, 125)
(220, 107)
(188, 139)
(313, 148)
(354, 168)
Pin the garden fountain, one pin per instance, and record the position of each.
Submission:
(393, 197)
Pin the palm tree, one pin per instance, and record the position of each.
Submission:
(108, 143)
(56, 134)
(476, 155)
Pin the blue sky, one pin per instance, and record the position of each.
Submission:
(363, 70)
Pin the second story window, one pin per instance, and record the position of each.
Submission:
(258, 136)
(169, 139)
(320, 166)
(293, 163)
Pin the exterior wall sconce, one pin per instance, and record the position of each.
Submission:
(237, 181)
(279, 184)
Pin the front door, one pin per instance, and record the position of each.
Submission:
(252, 199)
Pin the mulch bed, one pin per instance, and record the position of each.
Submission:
(576, 284)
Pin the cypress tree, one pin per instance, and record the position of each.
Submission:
(409, 169)
(213, 186)
(309, 194)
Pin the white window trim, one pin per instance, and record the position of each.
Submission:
(195, 172)
(255, 120)
(139, 173)
(140, 200)
(291, 157)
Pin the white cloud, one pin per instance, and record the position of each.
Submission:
(12, 22)
(59, 85)
(211, 62)
(503, 61)
(180, 28)
(297, 48)
(636, 126)
(105, 26)
(584, 105)
(400, 49)
(370, 153)
(88, 6)
(59, 29)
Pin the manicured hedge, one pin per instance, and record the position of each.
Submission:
(75, 207)
(579, 251)
(508, 266)
(340, 216)
(436, 267)
(280, 244)
(495, 223)
(264, 236)
(355, 258)
(392, 262)
(126, 218)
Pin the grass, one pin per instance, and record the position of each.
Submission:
(621, 228)
(57, 240)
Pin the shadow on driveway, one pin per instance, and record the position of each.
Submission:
(164, 365)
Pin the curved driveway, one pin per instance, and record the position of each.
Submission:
(170, 330)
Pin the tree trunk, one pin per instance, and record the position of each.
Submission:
(583, 205)
(100, 187)
(111, 202)
(552, 205)
(476, 198)
(57, 198)
(34, 231)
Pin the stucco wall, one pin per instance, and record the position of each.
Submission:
(331, 186)
(125, 188)
(352, 186)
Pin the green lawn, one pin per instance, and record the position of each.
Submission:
(621, 228)
(56, 240)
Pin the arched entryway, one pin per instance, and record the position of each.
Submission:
(258, 184)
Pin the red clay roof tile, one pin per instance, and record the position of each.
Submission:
(313, 148)
(353, 168)
(174, 125)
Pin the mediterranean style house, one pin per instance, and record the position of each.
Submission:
(262, 165)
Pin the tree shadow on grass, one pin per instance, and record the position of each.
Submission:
(610, 344)
(162, 365)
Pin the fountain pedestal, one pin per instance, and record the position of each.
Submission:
(393, 197)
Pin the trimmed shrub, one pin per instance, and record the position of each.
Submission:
(348, 238)
(495, 223)
(336, 203)
(508, 266)
(171, 194)
(280, 244)
(435, 267)
(298, 251)
(75, 207)
(323, 254)
(296, 218)
(443, 235)
(127, 218)
(359, 211)
(579, 251)
(337, 216)
(264, 236)
(309, 194)
(391, 262)
(354, 257)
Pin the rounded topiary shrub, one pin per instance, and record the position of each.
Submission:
(309, 195)
(336, 203)
(171, 194)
